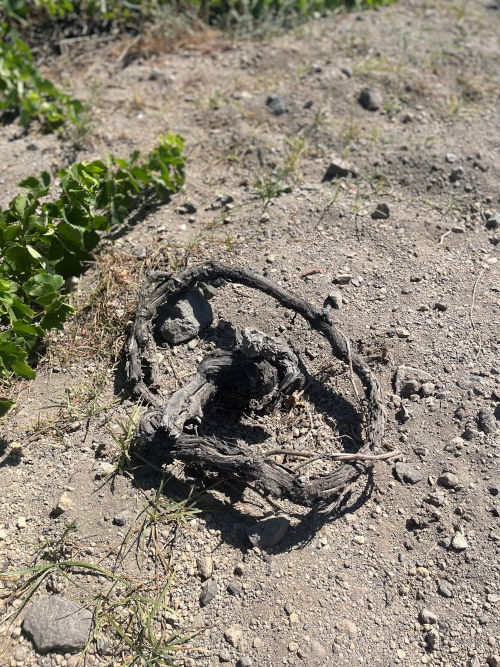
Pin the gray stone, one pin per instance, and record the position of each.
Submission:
(493, 221)
(407, 473)
(448, 480)
(494, 489)
(435, 498)
(184, 316)
(427, 389)
(233, 589)
(459, 543)
(451, 158)
(338, 168)
(121, 518)
(493, 660)
(370, 99)
(268, 532)
(381, 212)
(470, 431)
(427, 617)
(334, 299)
(57, 624)
(208, 592)
(245, 661)
(407, 374)
(275, 103)
(486, 422)
(445, 590)
(432, 639)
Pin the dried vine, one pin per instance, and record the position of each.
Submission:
(160, 428)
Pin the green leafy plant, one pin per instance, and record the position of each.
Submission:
(24, 91)
(42, 242)
(227, 13)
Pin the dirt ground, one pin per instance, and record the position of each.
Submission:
(406, 571)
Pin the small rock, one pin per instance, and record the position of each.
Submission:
(268, 532)
(104, 469)
(64, 504)
(257, 642)
(451, 158)
(21, 522)
(293, 647)
(3, 534)
(408, 474)
(370, 99)
(486, 422)
(427, 617)
(493, 598)
(445, 590)
(184, 316)
(456, 175)
(121, 518)
(208, 592)
(493, 660)
(338, 168)
(347, 627)
(432, 639)
(493, 489)
(493, 221)
(57, 624)
(436, 498)
(343, 278)
(245, 661)
(275, 103)
(233, 589)
(233, 635)
(427, 389)
(318, 651)
(381, 212)
(459, 542)
(407, 374)
(334, 299)
(205, 567)
(448, 480)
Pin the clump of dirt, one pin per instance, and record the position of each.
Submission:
(401, 246)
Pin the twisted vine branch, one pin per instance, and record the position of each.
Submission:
(239, 458)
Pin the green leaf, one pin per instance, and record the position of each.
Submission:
(26, 329)
(5, 406)
(21, 368)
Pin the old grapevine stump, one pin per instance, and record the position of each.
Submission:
(258, 373)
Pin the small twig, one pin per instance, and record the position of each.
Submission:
(340, 456)
(471, 312)
(310, 272)
(443, 236)
(351, 371)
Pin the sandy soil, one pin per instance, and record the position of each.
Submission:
(348, 588)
